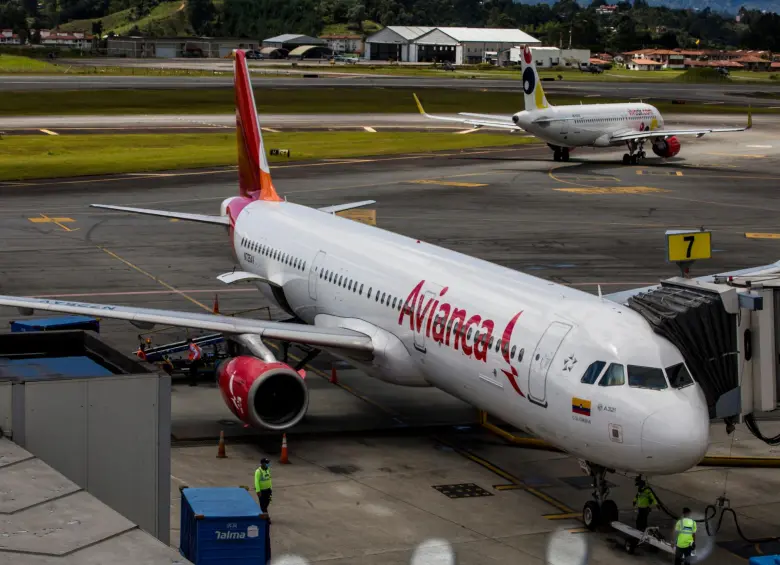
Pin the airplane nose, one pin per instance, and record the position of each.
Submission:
(678, 435)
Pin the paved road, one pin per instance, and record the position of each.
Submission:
(728, 94)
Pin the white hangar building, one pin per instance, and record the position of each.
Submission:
(459, 45)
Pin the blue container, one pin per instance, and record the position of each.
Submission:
(59, 323)
(46, 367)
(765, 560)
(223, 525)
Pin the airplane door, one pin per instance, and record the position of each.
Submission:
(314, 273)
(542, 359)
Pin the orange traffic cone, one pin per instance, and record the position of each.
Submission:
(221, 449)
(216, 304)
(283, 458)
(334, 378)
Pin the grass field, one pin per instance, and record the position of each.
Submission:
(30, 157)
(19, 64)
(295, 101)
(166, 20)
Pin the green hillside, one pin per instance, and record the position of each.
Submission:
(165, 19)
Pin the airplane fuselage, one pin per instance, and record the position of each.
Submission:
(505, 342)
(588, 124)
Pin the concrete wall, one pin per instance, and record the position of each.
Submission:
(109, 435)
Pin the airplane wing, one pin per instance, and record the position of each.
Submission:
(477, 120)
(202, 218)
(297, 333)
(343, 207)
(634, 135)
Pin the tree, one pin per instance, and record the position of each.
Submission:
(201, 14)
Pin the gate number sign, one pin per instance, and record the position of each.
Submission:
(688, 245)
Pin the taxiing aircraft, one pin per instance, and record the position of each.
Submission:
(586, 374)
(585, 125)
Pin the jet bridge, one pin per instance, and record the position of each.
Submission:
(727, 328)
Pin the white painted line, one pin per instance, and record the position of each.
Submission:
(369, 129)
(760, 146)
(269, 130)
(49, 132)
(711, 103)
(592, 95)
(466, 131)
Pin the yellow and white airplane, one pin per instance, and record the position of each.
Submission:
(585, 125)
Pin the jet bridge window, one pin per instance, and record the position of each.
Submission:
(646, 377)
(592, 373)
(679, 377)
(615, 376)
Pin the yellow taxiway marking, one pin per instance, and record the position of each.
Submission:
(49, 132)
(156, 279)
(270, 130)
(174, 219)
(762, 235)
(564, 516)
(463, 131)
(578, 530)
(358, 215)
(660, 173)
(613, 190)
(44, 219)
(446, 183)
(369, 129)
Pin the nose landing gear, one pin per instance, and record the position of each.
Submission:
(560, 153)
(599, 512)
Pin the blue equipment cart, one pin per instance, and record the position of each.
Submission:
(58, 323)
(223, 525)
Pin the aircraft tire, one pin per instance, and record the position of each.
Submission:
(556, 155)
(626, 158)
(565, 155)
(609, 513)
(630, 545)
(591, 515)
(633, 159)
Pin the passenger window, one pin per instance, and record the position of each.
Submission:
(679, 376)
(383, 297)
(360, 292)
(394, 300)
(304, 265)
(468, 336)
(369, 292)
(646, 377)
(592, 373)
(498, 345)
(520, 355)
(490, 343)
(341, 279)
(349, 286)
(514, 350)
(615, 376)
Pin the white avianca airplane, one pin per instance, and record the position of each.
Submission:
(585, 125)
(584, 373)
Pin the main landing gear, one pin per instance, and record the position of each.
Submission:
(635, 152)
(599, 512)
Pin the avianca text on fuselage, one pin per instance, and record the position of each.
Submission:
(451, 326)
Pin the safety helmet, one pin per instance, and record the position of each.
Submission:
(264, 461)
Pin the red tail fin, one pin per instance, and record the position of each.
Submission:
(253, 172)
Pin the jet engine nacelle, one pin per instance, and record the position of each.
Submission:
(265, 395)
(666, 148)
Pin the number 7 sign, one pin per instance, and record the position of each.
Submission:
(688, 245)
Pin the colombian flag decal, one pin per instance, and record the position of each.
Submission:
(580, 406)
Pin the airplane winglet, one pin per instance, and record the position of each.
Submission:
(419, 105)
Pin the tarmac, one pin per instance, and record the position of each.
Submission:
(732, 94)
(367, 460)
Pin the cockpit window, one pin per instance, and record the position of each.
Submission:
(592, 373)
(646, 377)
(679, 376)
(615, 376)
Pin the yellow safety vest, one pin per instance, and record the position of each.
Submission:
(262, 479)
(645, 498)
(685, 528)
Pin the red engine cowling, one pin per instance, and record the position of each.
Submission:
(666, 148)
(264, 395)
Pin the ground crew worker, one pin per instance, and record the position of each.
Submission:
(263, 485)
(644, 501)
(195, 355)
(685, 531)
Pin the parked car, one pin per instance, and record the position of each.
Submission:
(591, 69)
(252, 54)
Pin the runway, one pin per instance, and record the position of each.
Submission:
(296, 122)
(587, 223)
(733, 94)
